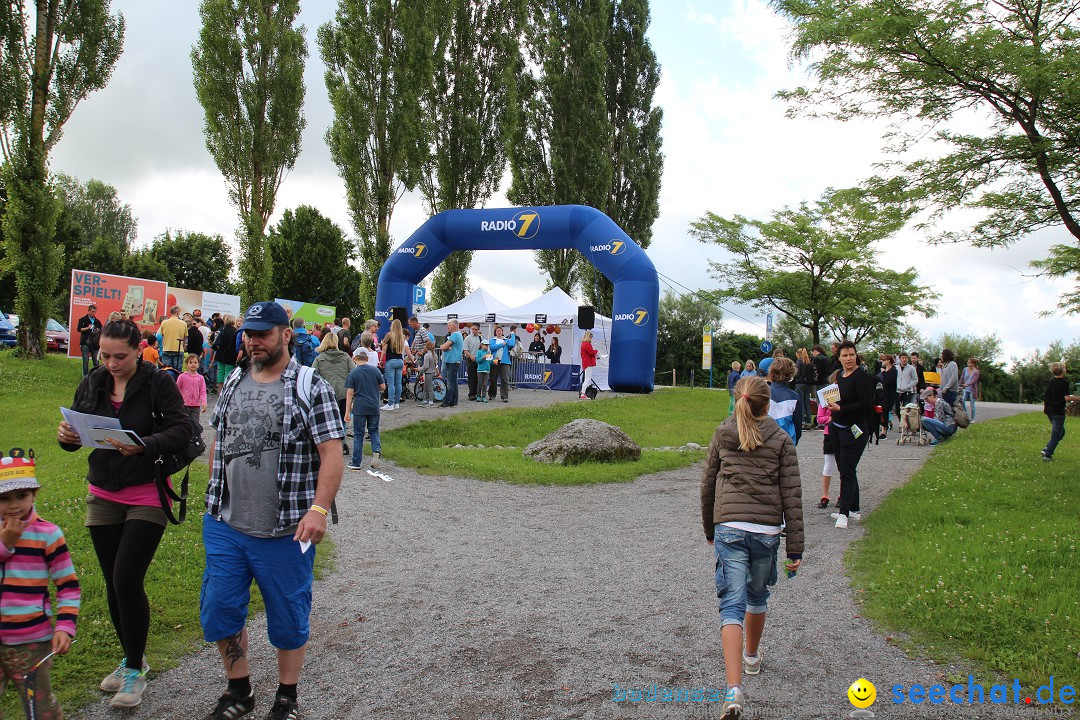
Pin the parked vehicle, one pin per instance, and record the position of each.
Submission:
(8, 337)
(56, 336)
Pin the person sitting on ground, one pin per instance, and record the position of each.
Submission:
(943, 424)
(786, 406)
(758, 491)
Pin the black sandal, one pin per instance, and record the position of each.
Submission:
(824, 503)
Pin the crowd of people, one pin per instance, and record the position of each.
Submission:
(276, 463)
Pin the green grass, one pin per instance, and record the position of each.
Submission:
(977, 555)
(31, 394)
(664, 418)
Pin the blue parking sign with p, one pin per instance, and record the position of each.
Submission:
(419, 295)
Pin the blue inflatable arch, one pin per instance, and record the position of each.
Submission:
(591, 232)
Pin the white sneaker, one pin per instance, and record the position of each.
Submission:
(115, 680)
(733, 704)
(387, 406)
(376, 459)
(752, 663)
(397, 406)
(132, 685)
(852, 515)
(841, 521)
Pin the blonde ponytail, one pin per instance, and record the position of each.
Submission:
(751, 406)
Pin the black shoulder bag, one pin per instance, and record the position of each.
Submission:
(171, 463)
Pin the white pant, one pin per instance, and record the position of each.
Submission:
(830, 466)
(586, 379)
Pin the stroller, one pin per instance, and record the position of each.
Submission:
(911, 430)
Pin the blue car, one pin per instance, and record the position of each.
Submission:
(8, 337)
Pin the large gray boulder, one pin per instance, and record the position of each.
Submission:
(583, 441)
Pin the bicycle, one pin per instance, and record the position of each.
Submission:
(438, 388)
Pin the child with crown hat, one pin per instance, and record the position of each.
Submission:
(33, 553)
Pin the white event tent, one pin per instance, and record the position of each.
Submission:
(474, 307)
(562, 310)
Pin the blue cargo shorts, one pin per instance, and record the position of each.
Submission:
(283, 574)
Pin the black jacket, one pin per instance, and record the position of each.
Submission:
(225, 345)
(824, 368)
(108, 468)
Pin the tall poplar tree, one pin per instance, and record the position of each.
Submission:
(561, 149)
(637, 161)
(249, 78)
(468, 106)
(53, 55)
(379, 61)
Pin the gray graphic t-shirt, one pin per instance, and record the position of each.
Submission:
(252, 445)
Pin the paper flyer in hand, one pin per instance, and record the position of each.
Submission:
(828, 394)
(96, 430)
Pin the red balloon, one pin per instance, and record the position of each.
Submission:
(550, 329)
(530, 327)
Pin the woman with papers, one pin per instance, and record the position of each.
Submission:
(123, 508)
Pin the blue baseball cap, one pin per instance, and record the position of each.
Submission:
(264, 316)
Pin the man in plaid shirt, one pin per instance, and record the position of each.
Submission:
(276, 467)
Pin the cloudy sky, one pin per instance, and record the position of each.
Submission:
(729, 149)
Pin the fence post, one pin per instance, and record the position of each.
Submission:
(673, 378)
(691, 378)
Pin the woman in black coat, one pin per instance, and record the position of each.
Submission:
(123, 508)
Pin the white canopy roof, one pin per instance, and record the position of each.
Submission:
(560, 308)
(471, 308)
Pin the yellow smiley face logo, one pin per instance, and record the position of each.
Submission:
(862, 693)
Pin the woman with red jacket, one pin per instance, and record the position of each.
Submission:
(588, 360)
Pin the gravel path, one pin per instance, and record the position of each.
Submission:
(455, 598)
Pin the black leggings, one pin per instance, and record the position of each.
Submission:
(124, 553)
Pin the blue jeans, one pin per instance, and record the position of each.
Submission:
(88, 354)
(949, 396)
(363, 424)
(804, 397)
(174, 360)
(745, 569)
(969, 395)
(392, 373)
(938, 429)
(1057, 432)
(450, 375)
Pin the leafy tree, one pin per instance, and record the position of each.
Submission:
(789, 335)
(142, 263)
(637, 161)
(560, 152)
(468, 107)
(379, 61)
(816, 263)
(7, 284)
(194, 260)
(94, 230)
(53, 55)
(921, 63)
(682, 318)
(249, 77)
(1032, 372)
(310, 257)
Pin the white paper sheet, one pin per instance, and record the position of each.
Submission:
(94, 430)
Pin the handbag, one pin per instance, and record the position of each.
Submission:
(171, 463)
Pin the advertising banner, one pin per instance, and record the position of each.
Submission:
(706, 348)
(142, 300)
(208, 302)
(311, 312)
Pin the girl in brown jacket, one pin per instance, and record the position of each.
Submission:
(749, 491)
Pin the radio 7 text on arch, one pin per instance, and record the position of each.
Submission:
(591, 232)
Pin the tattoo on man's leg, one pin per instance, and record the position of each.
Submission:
(234, 651)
